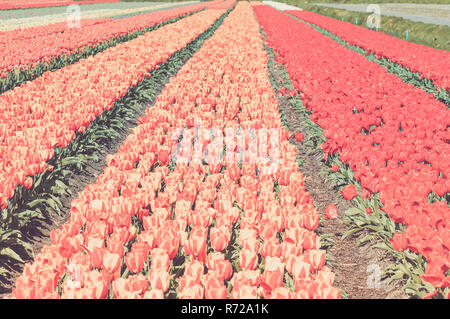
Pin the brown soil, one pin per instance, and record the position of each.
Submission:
(349, 261)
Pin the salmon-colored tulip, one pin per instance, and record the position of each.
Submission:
(111, 262)
(159, 279)
(248, 260)
(281, 293)
(154, 294)
(219, 237)
(159, 259)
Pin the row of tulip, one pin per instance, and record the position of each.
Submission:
(365, 218)
(45, 198)
(7, 37)
(29, 22)
(150, 229)
(392, 136)
(31, 47)
(401, 71)
(22, 4)
(47, 112)
(18, 77)
(429, 62)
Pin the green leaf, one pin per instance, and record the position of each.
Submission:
(11, 254)
(352, 211)
(349, 232)
(365, 239)
(36, 202)
(382, 245)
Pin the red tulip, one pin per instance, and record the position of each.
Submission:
(331, 212)
(299, 137)
(195, 269)
(169, 243)
(99, 282)
(97, 257)
(223, 268)
(28, 182)
(301, 270)
(292, 93)
(349, 192)
(399, 241)
(246, 277)
(267, 230)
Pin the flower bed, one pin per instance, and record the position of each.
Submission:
(429, 62)
(45, 113)
(29, 47)
(22, 4)
(152, 226)
(393, 137)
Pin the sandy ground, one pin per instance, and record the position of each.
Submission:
(427, 13)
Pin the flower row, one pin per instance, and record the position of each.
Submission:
(35, 45)
(35, 32)
(36, 21)
(22, 4)
(429, 62)
(45, 113)
(148, 229)
(394, 137)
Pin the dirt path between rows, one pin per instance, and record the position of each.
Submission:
(353, 265)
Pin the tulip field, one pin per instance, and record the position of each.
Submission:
(221, 149)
